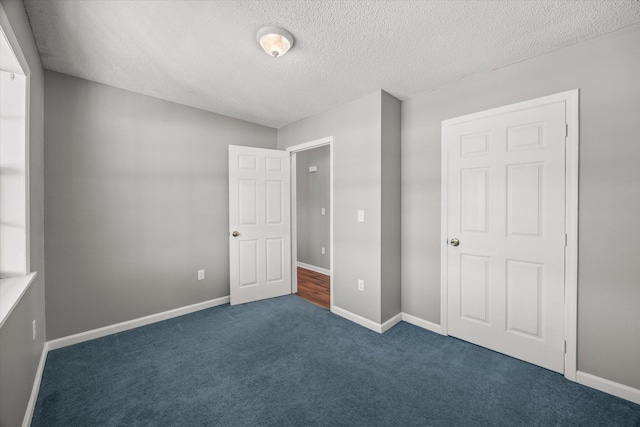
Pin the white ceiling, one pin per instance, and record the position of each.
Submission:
(204, 53)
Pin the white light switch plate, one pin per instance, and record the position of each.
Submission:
(360, 216)
(200, 274)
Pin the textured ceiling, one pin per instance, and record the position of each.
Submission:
(204, 53)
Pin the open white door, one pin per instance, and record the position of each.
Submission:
(259, 223)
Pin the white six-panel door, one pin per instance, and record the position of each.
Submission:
(505, 204)
(259, 223)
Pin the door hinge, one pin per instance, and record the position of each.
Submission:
(565, 346)
(566, 239)
(566, 130)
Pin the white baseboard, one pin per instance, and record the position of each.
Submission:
(31, 406)
(425, 324)
(369, 324)
(384, 327)
(391, 323)
(608, 386)
(134, 323)
(314, 268)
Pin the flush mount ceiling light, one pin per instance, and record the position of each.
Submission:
(275, 41)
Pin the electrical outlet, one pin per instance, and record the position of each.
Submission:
(322, 211)
(34, 328)
(360, 285)
(200, 274)
(322, 251)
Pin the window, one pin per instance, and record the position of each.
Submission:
(13, 179)
(14, 171)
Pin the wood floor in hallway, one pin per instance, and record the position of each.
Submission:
(314, 287)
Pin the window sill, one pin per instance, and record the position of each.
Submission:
(11, 292)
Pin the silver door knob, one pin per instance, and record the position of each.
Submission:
(455, 242)
(235, 234)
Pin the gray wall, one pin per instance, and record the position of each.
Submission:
(355, 127)
(607, 72)
(19, 354)
(391, 207)
(312, 194)
(136, 201)
(357, 178)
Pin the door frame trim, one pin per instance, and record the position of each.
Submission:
(328, 140)
(571, 99)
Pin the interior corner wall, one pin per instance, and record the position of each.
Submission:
(355, 128)
(606, 71)
(391, 256)
(313, 195)
(19, 353)
(136, 201)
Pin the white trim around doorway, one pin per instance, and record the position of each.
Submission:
(294, 247)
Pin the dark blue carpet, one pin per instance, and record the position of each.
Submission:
(286, 362)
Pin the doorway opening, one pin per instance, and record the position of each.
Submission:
(312, 221)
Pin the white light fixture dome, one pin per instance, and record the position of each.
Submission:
(275, 41)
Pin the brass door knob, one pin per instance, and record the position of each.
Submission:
(455, 242)
(235, 234)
